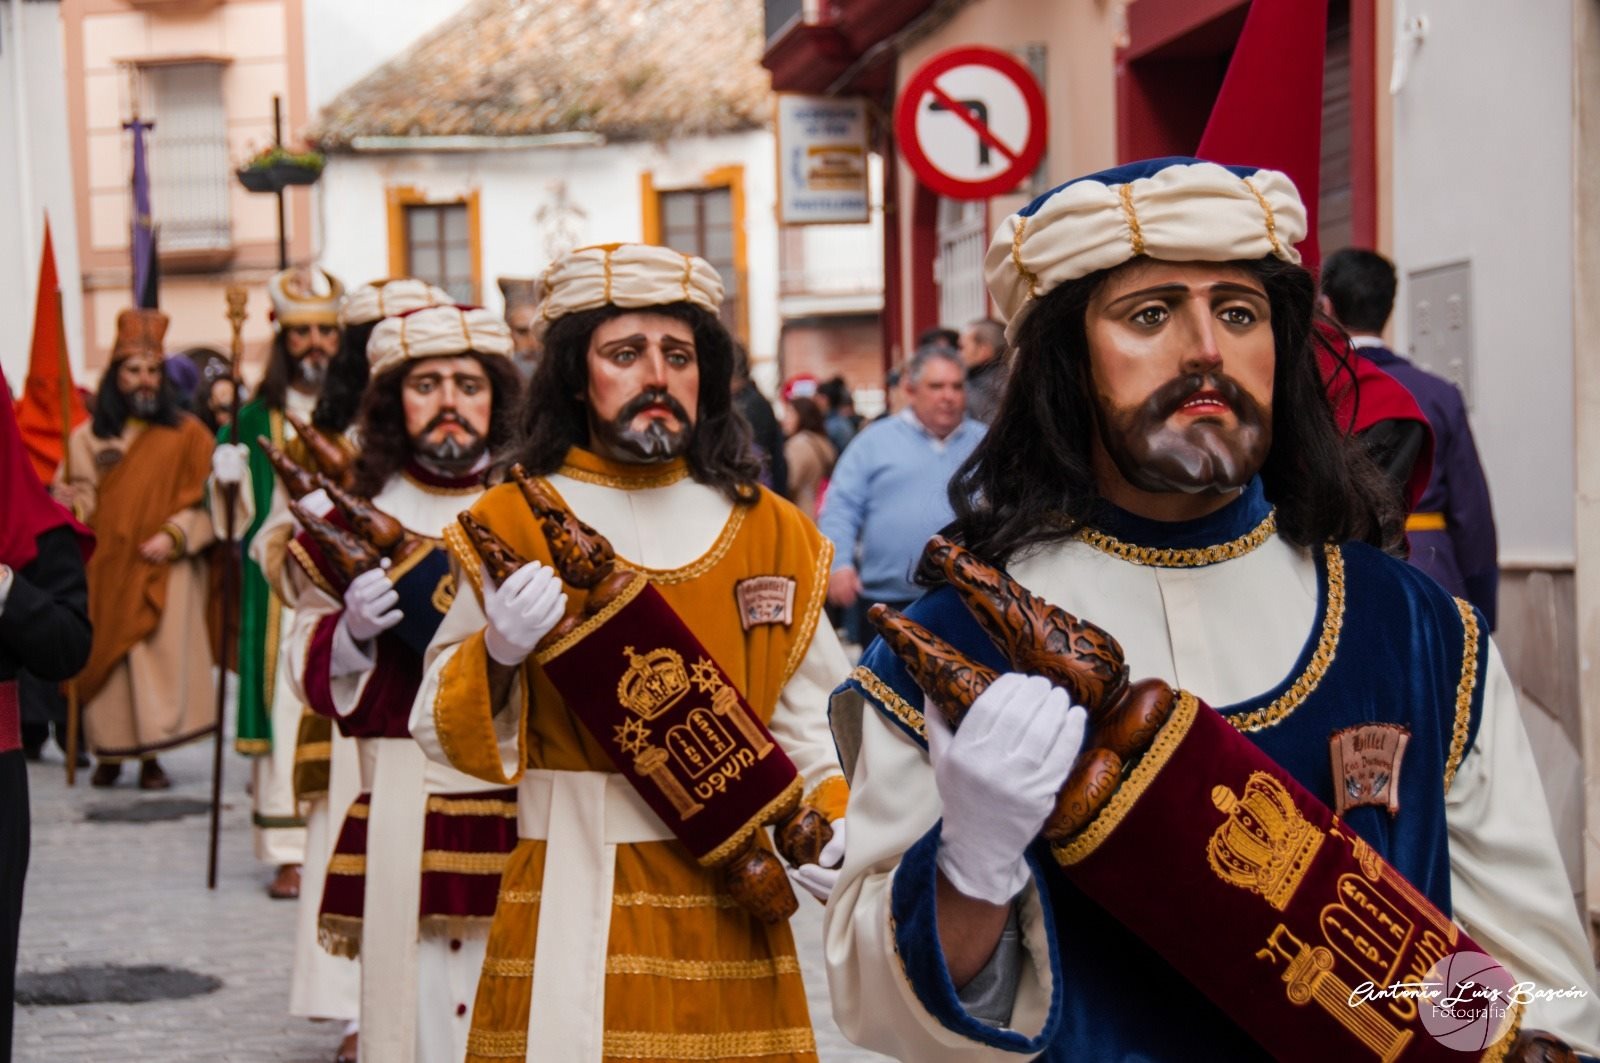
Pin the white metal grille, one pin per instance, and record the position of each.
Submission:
(188, 157)
(962, 242)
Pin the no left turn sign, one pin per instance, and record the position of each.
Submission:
(971, 123)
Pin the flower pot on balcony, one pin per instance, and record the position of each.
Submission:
(259, 180)
(293, 173)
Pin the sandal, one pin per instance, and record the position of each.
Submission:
(286, 886)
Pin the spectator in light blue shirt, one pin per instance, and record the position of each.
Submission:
(888, 491)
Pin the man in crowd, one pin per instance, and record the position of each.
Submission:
(440, 401)
(630, 422)
(1172, 472)
(44, 626)
(305, 310)
(1451, 530)
(136, 473)
(522, 318)
(887, 494)
(983, 349)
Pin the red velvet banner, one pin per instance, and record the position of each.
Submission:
(673, 723)
(1270, 904)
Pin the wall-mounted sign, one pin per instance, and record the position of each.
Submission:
(822, 160)
(971, 123)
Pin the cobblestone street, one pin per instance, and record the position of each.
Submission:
(130, 893)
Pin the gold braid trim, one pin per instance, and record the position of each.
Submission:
(508, 967)
(298, 551)
(695, 569)
(252, 747)
(466, 557)
(1321, 657)
(1135, 233)
(1501, 1048)
(269, 656)
(359, 810)
(521, 896)
(1195, 557)
(1272, 221)
(886, 697)
(1019, 229)
(472, 806)
(460, 863)
(645, 1044)
(1133, 784)
(642, 483)
(808, 622)
(587, 628)
(398, 572)
(347, 864)
(1464, 689)
(642, 899)
(701, 970)
(781, 805)
(313, 751)
(498, 1044)
(435, 489)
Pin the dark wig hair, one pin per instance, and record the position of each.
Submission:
(274, 389)
(381, 427)
(348, 373)
(808, 416)
(111, 410)
(1031, 481)
(555, 416)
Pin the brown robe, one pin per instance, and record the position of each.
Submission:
(148, 685)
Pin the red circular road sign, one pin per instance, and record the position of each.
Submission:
(971, 123)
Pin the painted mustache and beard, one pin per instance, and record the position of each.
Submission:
(654, 442)
(143, 402)
(450, 453)
(1195, 456)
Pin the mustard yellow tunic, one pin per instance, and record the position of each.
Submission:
(688, 974)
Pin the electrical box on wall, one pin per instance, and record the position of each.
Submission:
(1441, 323)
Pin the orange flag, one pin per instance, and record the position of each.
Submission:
(50, 407)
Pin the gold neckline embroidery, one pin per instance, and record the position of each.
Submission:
(411, 478)
(1194, 557)
(635, 483)
(1321, 657)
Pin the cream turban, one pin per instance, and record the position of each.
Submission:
(436, 332)
(305, 297)
(627, 275)
(381, 299)
(1176, 209)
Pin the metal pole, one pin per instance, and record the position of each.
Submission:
(236, 296)
(277, 141)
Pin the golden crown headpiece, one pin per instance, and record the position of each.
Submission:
(653, 682)
(1265, 845)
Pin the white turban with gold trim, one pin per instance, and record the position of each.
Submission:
(1175, 209)
(388, 298)
(305, 297)
(436, 332)
(633, 276)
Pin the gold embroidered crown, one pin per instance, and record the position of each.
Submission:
(1265, 845)
(653, 682)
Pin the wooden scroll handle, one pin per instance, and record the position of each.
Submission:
(1042, 639)
(1537, 1046)
(582, 555)
(348, 553)
(372, 524)
(802, 836)
(1035, 636)
(296, 479)
(331, 458)
(953, 681)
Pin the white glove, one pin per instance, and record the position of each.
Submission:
(369, 606)
(818, 879)
(521, 611)
(228, 463)
(998, 777)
